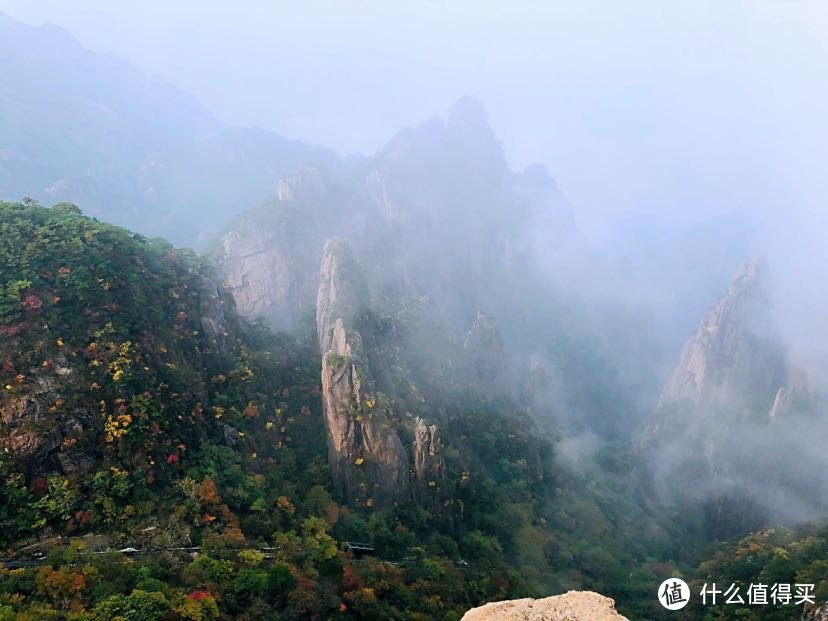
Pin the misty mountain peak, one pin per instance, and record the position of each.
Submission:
(469, 116)
(465, 133)
(308, 182)
(751, 275)
(538, 175)
(734, 351)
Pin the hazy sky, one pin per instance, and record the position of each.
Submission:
(698, 104)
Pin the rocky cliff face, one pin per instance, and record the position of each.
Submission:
(572, 606)
(270, 261)
(369, 463)
(486, 355)
(734, 351)
(214, 303)
(265, 272)
(309, 182)
(342, 294)
(734, 409)
(403, 211)
(28, 430)
(429, 468)
(735, 361)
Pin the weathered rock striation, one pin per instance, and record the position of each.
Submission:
(214, 320)
(571, 606)
(734, 349)
(429, 467)
(342, 294)
(734, 361)
(369, 463)
(265, 269)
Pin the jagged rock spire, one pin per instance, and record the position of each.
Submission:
(342, 293)
(369, 463)
(429, 467)
(734, 351)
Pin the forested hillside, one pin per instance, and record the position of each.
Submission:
(140, 412)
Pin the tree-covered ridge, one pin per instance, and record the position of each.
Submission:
(138, 410)
(125, 370)
(771, 557)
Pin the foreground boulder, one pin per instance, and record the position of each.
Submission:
(814, 613)
(572, 606)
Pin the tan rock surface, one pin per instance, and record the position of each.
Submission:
(367, 458)
(572, 606)
(734, 350)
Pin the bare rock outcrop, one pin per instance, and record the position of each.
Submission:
(815, 613)
(28, 430)
(342, 295)
(403, 211)
(735, 405)
(309, 182)
(270, 259)
(214, 321)
(571, 606)
(369, 463)
(429, 467)
(735, 361)
(486, 354)
(733, 350)
(267, 270)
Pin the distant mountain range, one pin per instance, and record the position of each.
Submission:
(92, 129)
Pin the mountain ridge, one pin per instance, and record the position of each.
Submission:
(125, 145)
